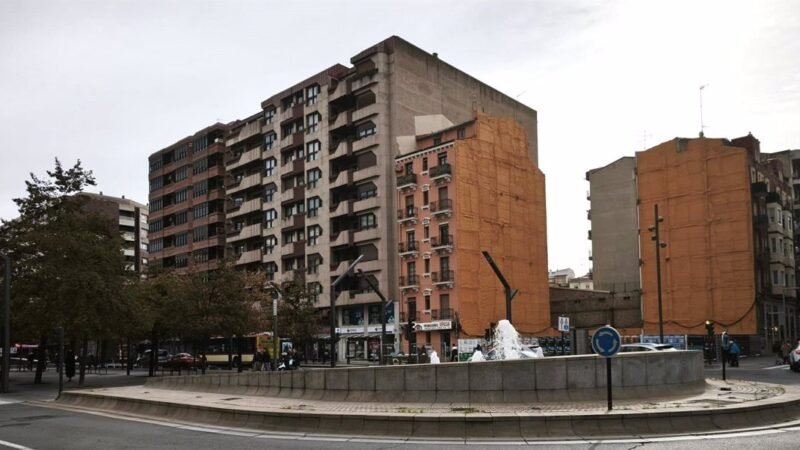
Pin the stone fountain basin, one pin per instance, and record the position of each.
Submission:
(656, 375)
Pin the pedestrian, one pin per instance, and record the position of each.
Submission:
(733, 352)
(454, 353)
(265, 358)
(786, 348)
(258, 360)
(69, 365)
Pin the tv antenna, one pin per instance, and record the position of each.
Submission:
(702, 124)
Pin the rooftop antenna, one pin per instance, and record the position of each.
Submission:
(702, 124)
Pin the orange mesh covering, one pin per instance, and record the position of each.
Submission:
(500, 198)
(702, 188)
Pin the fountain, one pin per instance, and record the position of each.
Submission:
(434, 357)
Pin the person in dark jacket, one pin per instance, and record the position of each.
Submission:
(69, 364)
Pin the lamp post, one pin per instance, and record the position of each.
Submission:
(333, 307)
(275, 341)
(384, 303)
(510, 293)
(6, 321)
(659, 245)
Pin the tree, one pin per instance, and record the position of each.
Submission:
(69, 268)
(298, 315)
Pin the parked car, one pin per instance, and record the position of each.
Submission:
(182, 361)
(646, 347)
(794, 359)
(144, 360)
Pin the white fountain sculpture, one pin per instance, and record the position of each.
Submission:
(434, 357)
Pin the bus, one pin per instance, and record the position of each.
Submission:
(225, 351)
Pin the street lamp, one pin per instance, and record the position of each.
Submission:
(333, 306)
(384, 303)
(6, 321)
(276, 290)
(659, 245)
(510, 293)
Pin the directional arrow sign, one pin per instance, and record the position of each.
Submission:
(606, 341)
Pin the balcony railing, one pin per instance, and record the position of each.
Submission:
(442, 172)
(408, 247)
(442, 207)
(405, 317)
(442, 314)
(443, 277)
(408, 214)
(442, 242)
(407, 181)
(409, 281)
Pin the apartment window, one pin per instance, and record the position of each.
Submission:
(269, 115)
(424, 163)
(269, 140)
(269, 166)
(437, 140)
(366, 129)
(444, 263)
(156, 205)
(181, 153)
(293, 209)
(200, 188)
(411, 269)
(427, 301)
(774, 246)
(442, 158)
(182, 260)
(200, 211)
(312, 93)
(367, 191)
(271, 268)
(200, 234)
(425, 198)
(269, 218)
(366, 221)
(409, 168)
(774, 276)
(180, 239)
(156, 245)
(200, 256)
(180, 196)
(314, 203)
(156, 183)
(314, 232)
(181, 217)
(313, 177)
(200, 166)
(443, 193)
(155, 165)
(238, 225)
(290, 237)
(181, 173)
(312, 151)
(426, 232)
(312, 122)
(269, 244)
(427, 264)
(314, 261)
(293, 154)
(200, 144)
(444, 302)
(156, 225)
(269, 193)
(461, 133)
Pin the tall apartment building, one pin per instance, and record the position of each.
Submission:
(462, 190)
(131, 218)
(790, 162)
(727, 226)
(187, 202)
(310, 181)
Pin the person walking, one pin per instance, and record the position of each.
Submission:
(786, 348)
(258, 360)
(69, 364)
(454, 354)
(734, 354)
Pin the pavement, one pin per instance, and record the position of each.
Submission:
(724, 405)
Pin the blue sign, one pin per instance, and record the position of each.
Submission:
(606, 341)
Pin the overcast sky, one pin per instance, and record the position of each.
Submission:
(111, 82)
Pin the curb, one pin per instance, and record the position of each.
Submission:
(612, 424)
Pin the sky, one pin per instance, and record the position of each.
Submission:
(109, 82)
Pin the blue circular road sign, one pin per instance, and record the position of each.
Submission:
(606, 341)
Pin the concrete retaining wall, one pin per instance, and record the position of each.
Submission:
(556, 379)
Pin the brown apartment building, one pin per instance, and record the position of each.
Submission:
(462, 190)
(727, 226)
(310, 180)
(132, 219)
(187, 202)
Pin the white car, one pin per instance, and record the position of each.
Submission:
(646, 347)
(794, 359)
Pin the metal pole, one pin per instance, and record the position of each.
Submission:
(383, 310)
(60, 332)
(724, 357)
(333, 307)
(608, 383)
(6, 322)
(658, 278)
(275, 340)
(510, 293)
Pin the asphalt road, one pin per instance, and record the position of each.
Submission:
(30, 426)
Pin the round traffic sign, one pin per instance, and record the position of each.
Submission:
(606, 341)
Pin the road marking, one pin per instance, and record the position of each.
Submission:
(785, 367)
(13, 445)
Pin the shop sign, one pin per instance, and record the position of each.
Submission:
(350, 330)
(377, 328)
(431, 326)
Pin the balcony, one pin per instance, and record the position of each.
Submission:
(249, 231)
(245, 158)
(244, 183)
(408, 249)
(367, 234)
(442, 244)
(407, 216)
(369, 141)
(294, 221)
(366, 111)
(443, 279)
(442, 208)
(442, 314)
(407, 182)
(249, 257)
(247, 207)
(441, 173)
(289, 141)
(409, 282)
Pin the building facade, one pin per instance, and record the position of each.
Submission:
(310, 183)
(187, 202)
(729, 239)
(132, 219)
(460, 191)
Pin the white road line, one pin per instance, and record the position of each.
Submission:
(784, 367)
(13, 445)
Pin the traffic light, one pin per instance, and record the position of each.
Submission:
(710, 327)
